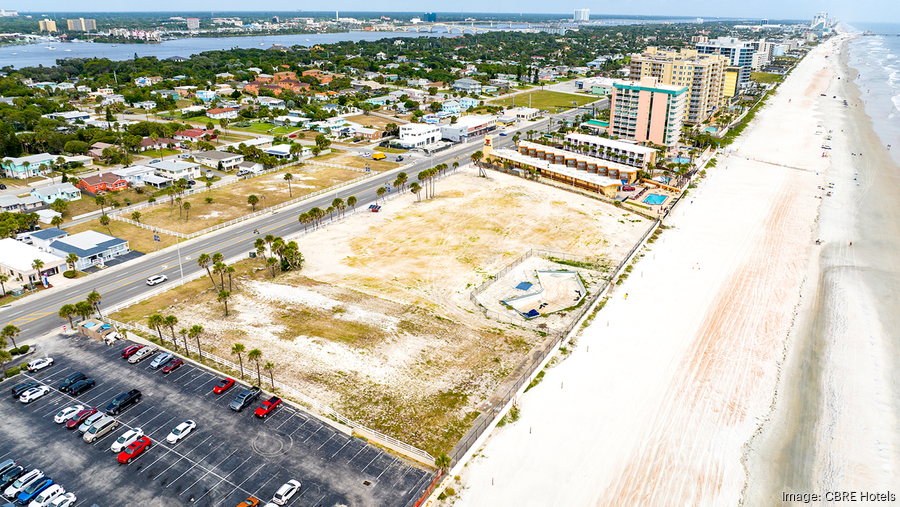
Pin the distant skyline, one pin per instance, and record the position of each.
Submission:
(876, 10)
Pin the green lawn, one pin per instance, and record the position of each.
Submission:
(165, 152)
(766, 78)
(546, 100)
(263, 128)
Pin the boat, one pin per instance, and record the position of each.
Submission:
(307, 40)
(51, 48)
(113, 45)
(261, 44)
(15, 53)
(68, 50)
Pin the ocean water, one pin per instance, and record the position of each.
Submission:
(877, 60)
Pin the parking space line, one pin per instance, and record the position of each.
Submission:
(159, 458)
(342, 447)
(192, 374)
(195, 464)
(57, 409)
(357, 454)
(387, 468)
(175, 379)
(140, 414)
(256, 493)
(285, 421)
(325, 442)
(306, 420)
(89, 401)
(380, 452)
(197, 501)
(161, 427)
(408, 468)
(242, 482)
(207, 472)
(54, 373)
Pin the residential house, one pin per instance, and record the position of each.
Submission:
(28, 166)
(253, 167)
(467, 102)
(147, 81)
(265, 78)
(281, 76)
(166, 93)
(42, 238)
(25, 204)
(206, 95)
(451, 106)
(280, 151)
(224, 76)
(292, 85)
(381, 101)
(91, 247)
(149, 143)
(136, 175)
(185, 92)
(176, 169)
(103, 182)
(96, 151)
(145, 104)
(112, 99)
(194, 135)
(69, 116)
(293, 118)
(270, 102)
(467, 85)
(49, 194)
(229, 113)
(214, 158)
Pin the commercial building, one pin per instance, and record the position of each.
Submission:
(524, 113)
(738, 52)
(193, 23)
(468, 126)
(91, 247)
(630, 154)
(64, 191)
(17, 261)
(703, 74)
(415, 135)
(213, 158)
(647, 112)
(582, 15)
(47, 25)
(28, 166)
(82, 25)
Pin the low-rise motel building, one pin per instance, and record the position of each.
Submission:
(575, 169)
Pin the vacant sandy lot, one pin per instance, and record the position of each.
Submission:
(379, 323)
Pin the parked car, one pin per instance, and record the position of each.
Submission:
(100, 428)
(2, 186)
(71, 379)
(126, 439)
(21, 388)
(33, 394)
(250, 502)
(142, 354)
(161, 360)
(67, 413)
(244, 399)
(34, 489)
(223, 385)
(156, 279)
(285, 492)
(40, 364)
(267, 407)
(173, 364)
(7, 465)
(136, 448)
(11, 475)
(23, 482)
(67, 500)
(81, 386)
(80, 417)
(131, 349)
(399, 158)
(86, 425)
(181, 431)
(48, 495)
(123, 401)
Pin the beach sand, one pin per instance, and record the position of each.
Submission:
(656, 404)
(835, 426)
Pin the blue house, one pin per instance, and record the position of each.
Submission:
(467, 102)
(64, 191)
(452, 107)
(28, 166)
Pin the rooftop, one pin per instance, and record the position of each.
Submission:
(603, 181)
(217, 155)
(611, 143)
(86, 244)
(18, 256)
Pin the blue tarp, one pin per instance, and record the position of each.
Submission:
(532, 313)
(90, 325)
(524, 286)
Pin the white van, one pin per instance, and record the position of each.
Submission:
(100, 428)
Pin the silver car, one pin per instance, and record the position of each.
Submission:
(141, 354)
(86, 425)
(161, 360)
(100, 428)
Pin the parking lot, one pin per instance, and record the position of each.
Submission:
(227, 458)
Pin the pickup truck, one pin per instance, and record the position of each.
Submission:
(243, 400)
(123, 401)
(267, 407)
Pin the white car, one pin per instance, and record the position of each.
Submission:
(156, 279)
(67, 413)
(142, 354)
(67, 500)
(22, 483)
(180, 431)
(285, 492)
(40, 364)
(126, 439)
(34, 393)
(47, 496)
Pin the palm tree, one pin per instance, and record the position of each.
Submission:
(270, 367)
(183, 333)
(271, 262)
(254, 355)
(37, 264)
(4, 357)
(236, 350)
(351, 201)
(230, 270)
(203, 261)
(442, 462)
(67, 312)
(3, 280)
(252, 200)
(93, 299)
(56, 221)
(9, 333)
(170, 321)
(288, 177)
(416, 189)
(187, 209)
(381, 191)
(104, 221)
(101, 201)
(223, 297)
(83, 309)
(220, 268)
(195, 332)
(136, 216)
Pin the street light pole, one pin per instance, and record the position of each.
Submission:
(178, 249)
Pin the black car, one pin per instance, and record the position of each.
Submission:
(2, 186)
(8, 477)
(81, 386)
(123, 401)
(21, 388)
(247, 397)
(6, 465)
(70, 380)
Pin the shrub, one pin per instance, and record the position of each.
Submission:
(442, 496)
(209, 200)
(69, 274)
(24, 348)
(152, 199)
(11, 372)
(450, 491)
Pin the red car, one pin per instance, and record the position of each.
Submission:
(132, 451)
(627, 188)
(267, 407)
(174, 363)
(223, 385)
(131, 349)
(76, 420)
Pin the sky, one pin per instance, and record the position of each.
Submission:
(864, 10)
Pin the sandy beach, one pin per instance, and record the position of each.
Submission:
(834, 426)
(658, 401)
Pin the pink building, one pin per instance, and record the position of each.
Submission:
(647, 112)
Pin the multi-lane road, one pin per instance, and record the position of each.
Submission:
(37, 315)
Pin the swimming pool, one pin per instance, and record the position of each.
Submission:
(711, 130)
(655, 199)
(680, 160)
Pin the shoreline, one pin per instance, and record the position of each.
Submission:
(828, 429)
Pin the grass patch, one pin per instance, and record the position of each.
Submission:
(139, 239)
(546, 100)
(510, 417)
(537, 380)
(766, 77)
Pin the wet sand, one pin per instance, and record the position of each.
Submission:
(834, 424)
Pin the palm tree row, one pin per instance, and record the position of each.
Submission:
(278, 255)
(254, 355)
(82, 309)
